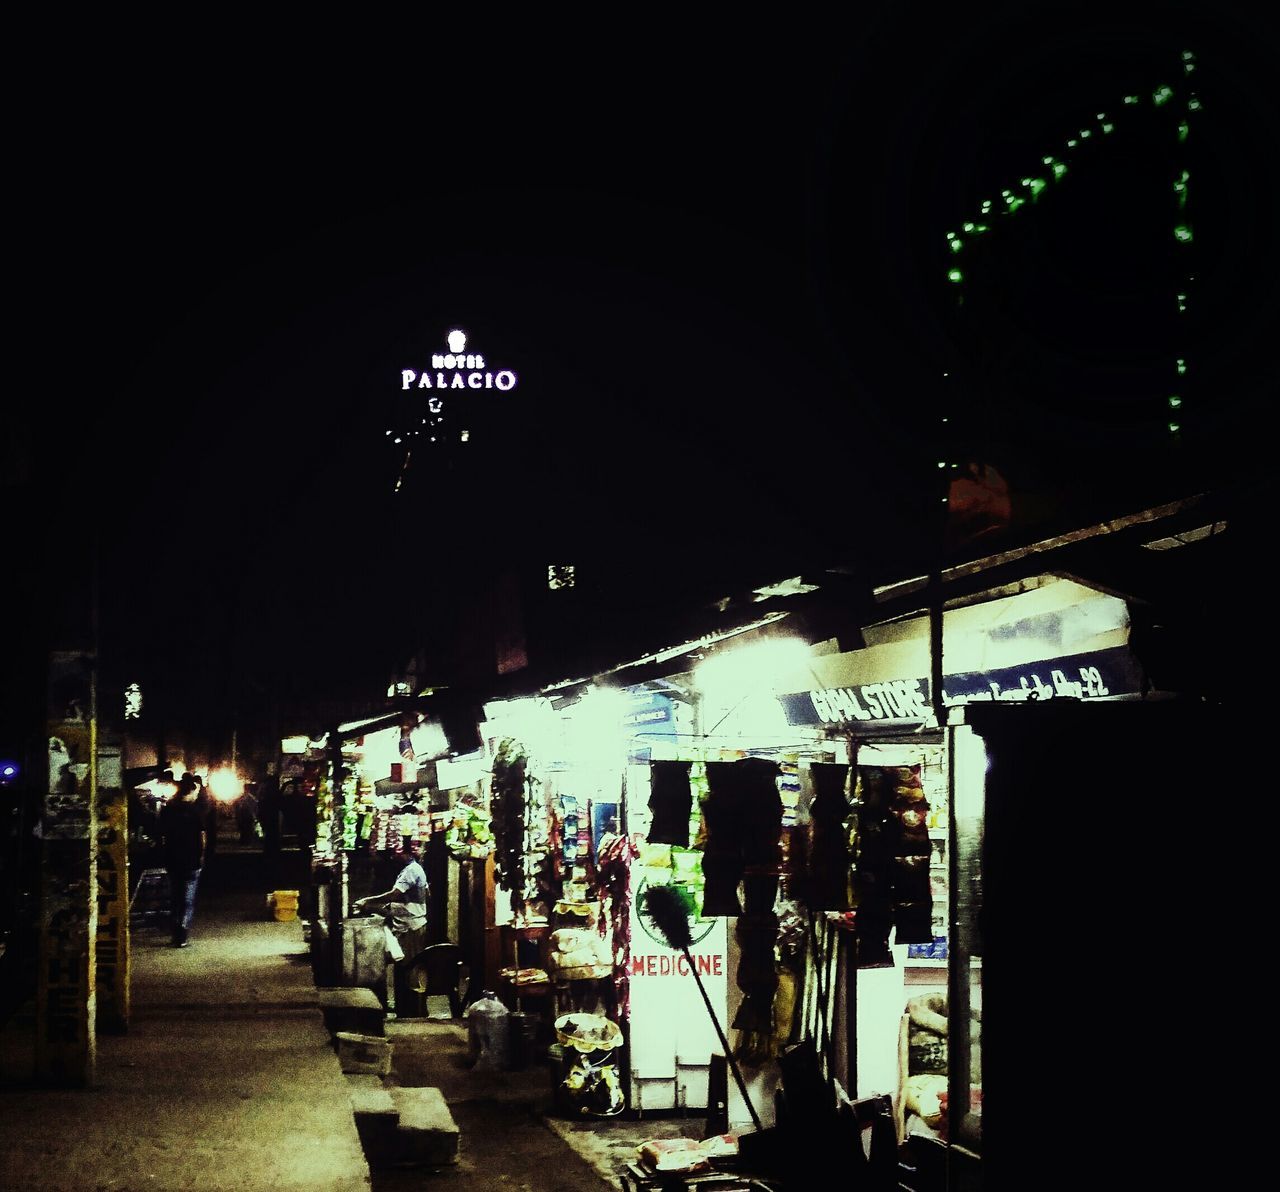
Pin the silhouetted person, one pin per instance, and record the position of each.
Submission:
(211, 821)
(182, 826)
(247, 813)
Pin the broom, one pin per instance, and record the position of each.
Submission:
(670, 916)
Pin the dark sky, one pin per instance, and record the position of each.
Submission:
(711, 254)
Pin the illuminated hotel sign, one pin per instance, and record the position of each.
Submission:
(457, 369)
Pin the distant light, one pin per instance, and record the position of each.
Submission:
(133, 702)
(225, 785)
(8, 772)
(457, 341)
(465, 437)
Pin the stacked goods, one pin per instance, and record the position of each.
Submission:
(579, 953)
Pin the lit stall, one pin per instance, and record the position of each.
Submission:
(888, 854)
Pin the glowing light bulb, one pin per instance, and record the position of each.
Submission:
(957, 245)
(1174, 427)
(1182, 233)
(955, 275)
(1182, 367)
(1131, 99)
(1059, 169)
(1161, 96)
(1183, 130)
(1175, 402)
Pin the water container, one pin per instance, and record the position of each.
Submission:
(488, 1032)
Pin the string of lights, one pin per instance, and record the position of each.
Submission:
(1054, 169)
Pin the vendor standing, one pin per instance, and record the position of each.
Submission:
(405, 904)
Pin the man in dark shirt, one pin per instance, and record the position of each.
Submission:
(183, 821)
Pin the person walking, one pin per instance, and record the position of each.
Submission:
(183, 821)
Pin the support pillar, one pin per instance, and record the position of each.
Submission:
(66, 988)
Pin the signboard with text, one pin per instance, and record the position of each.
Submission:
(1099, 674)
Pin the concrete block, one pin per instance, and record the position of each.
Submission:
(364, 1053)
(376, 1117)
(370, 1097)
(427, 1135)
(352, 1009)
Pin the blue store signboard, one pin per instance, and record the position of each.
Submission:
(1099, 674)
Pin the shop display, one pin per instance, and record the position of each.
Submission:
(589, 1075)
(469, 836)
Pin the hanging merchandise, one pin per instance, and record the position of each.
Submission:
(821, 859)
(891, 861)
(670, 802)
(510, 799)
(470, 832)
(744, 824)
(613, 872)
(790, 952)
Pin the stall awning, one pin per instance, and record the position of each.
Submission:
(1058, 640)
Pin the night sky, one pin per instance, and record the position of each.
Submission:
(712, 254)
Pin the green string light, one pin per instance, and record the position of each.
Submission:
(1175, 402)
(1182, 233)
(1174, 427)
(1108, 127)
(1162, 96)
(955, 275)
(1180, 188)
(1184, 130)
(1182, 367)
(1193, 104)
(1182, 304)
(1131, 100)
